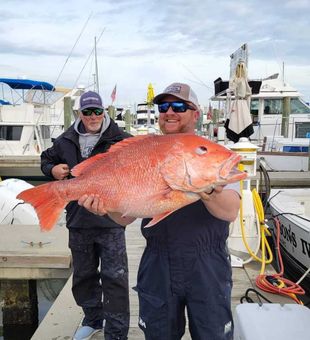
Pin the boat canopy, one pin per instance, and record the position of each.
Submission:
(4, 102)
(27, 84)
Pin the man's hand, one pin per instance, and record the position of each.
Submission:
(60, 171)
(223, 204)
(206, 196)
(95, 204)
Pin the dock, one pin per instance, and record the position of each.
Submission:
(64, 317)
(288, 179)
(28, 253)
(14, 166)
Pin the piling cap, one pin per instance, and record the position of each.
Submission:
(243, 144)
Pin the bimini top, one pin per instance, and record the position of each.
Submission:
(27, 84)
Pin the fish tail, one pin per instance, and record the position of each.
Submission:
(47, 204)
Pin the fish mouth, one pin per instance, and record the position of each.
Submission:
(229, 170)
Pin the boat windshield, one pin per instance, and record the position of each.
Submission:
(273, 106)
(298, 107)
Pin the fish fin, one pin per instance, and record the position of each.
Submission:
(182, 198)
(158, 218)
(47, 205)
(82, 167)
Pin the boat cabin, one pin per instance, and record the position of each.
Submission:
(277, 109)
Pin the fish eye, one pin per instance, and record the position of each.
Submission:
(201, 150)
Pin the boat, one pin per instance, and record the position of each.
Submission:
(145, 119)
(268, 103)
(31, 117)
(292, 208)
(280, 119)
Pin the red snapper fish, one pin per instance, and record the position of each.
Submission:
(142, 176)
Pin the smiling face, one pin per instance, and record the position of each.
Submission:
(177, 122)
(92, 123)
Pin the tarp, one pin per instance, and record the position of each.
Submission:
(239, 123)
(27, 84)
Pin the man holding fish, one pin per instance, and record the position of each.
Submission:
(95, 241)
(186, 262)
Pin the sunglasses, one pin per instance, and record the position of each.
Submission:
(176, 107)
(88, 112)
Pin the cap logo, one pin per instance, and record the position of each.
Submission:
(173, 89)
(90, 98)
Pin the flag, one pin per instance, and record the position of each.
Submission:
(113, 94)
(150, 95)
(210, 112)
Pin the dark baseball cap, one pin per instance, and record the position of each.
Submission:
(90, 99)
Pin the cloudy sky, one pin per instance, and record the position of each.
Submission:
(155, 41)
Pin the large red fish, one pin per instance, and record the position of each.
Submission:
(143, 176)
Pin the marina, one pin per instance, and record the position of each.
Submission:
(281, 123)
(248, 64)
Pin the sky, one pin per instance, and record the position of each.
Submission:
(159, 42)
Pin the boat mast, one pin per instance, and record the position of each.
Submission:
(96, 69)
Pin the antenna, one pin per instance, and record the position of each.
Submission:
(77, 79)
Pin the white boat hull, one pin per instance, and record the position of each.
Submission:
(292, 207)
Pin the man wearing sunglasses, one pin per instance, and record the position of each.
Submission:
(185, 264)
(95, 241)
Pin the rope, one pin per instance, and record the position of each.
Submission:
(276, 283)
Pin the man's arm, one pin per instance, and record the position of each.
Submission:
(52, 166)
(223, 203)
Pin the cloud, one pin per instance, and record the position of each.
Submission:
(153, 41)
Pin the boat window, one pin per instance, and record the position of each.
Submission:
(142, 121)
(295, 148)
(273, 106)
(298, 107)
(9, 132)
(302, 129)
(254, 111)
(254, 107)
